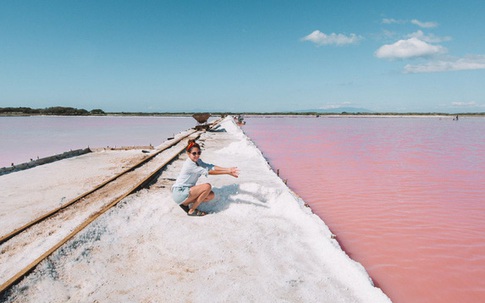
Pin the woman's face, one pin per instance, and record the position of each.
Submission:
(194, 154)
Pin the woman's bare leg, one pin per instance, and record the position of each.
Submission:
(198, 194)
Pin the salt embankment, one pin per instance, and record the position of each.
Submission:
(42, 161)
(259, 244)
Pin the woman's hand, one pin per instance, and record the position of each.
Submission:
(234, 171)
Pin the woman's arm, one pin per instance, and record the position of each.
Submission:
(217, 170)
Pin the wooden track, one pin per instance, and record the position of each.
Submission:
(18, 230)
(94, 203)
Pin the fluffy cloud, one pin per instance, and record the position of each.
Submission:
(320, 38)
(421, 45)
(424, 24)
(414, 21)
(430, 38)
(455, 64)
(410, 48)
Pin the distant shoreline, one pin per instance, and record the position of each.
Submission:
(262, 115)
(69, 111)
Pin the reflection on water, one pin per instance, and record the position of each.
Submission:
(405, 196)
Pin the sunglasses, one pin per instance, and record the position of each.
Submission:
(196, 153)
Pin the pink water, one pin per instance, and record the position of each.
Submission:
(405, 196)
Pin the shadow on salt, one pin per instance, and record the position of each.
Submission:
(232, 194)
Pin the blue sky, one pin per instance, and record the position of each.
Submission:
(264, 56)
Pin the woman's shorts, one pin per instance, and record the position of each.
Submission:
(180, 194)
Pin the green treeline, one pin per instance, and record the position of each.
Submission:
(53, 111)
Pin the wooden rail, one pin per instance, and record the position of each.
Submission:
(141, 184)
(49, 214)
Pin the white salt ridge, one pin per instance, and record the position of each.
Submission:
(260, 244)
(34, 192)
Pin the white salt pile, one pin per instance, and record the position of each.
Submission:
(259, 244)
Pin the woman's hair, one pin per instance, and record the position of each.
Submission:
(191, 144)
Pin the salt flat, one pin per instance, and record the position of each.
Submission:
(259, 244)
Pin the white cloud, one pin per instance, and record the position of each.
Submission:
(335, 106)
(430, 38)
(410, 48)
(320, 38)
(392, 21)
(414, 21)
(424, 24)
(467, 104)
(454, 64)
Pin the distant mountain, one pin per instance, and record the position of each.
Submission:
(337, 110)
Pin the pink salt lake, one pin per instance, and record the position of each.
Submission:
(405, 196)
